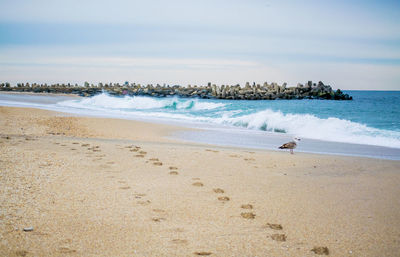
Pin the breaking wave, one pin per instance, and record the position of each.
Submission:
(141, 103)
(232, 114)
(310, 126)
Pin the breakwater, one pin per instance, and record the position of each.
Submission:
(255, 91)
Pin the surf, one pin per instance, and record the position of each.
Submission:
(243, 115)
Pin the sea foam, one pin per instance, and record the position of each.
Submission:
(140, 103)
(310, 126)
(223, 113)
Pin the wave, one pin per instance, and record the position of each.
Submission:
(310, 126)
(140, 103)
(227, 113)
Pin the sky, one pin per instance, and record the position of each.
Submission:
(350, 44)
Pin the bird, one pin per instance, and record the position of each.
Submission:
(290, 145)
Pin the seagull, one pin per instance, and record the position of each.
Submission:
(290, 145)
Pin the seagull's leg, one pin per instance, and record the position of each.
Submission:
(291, 151)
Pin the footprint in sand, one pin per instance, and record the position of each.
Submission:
(110, 162)
(75, 143)
(246, 206)
(274, 226)
(157, 219)
(214, 151)
(157, 163)
(279, 237)
(63, 145)
(66, 250)
(320, 250)
(159, 210)
(73, 149)
(143, 152)
(96, 150)
(139, 155)
(198, 184)
(138, 195)
(85, 145)
(177, 230)
(218, 191)
(173, 173)
(173, 168)
(249, 159)
(203, 253)
(21, 253)
(179, 241)
(154, 159)
(132, 146)
(125, 187)
(248, 215)
(223, 198)
(147, 202)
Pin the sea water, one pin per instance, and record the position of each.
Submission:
(369, 125)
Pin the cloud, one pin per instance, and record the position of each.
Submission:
(191, 41)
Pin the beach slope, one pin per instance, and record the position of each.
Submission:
(107, 187)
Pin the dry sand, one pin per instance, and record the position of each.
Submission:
(109, 187)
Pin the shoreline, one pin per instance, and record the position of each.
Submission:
(215, 134)
(109, 187)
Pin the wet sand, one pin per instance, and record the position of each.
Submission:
(108, 187)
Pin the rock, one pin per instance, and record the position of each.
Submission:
(230, 92)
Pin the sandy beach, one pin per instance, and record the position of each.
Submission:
(108, 187)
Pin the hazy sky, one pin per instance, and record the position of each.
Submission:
(350, 44)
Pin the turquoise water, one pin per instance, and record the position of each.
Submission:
(377, 109)
(372, 118)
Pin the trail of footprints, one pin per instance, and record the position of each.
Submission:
(246, 213)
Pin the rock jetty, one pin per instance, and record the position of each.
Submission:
(255, 91)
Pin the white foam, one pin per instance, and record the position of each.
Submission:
(192, 110)
(207, 106)
(310, 126)
(106, 101)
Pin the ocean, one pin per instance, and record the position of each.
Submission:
(367, 126)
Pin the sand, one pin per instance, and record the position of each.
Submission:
(109, 187)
